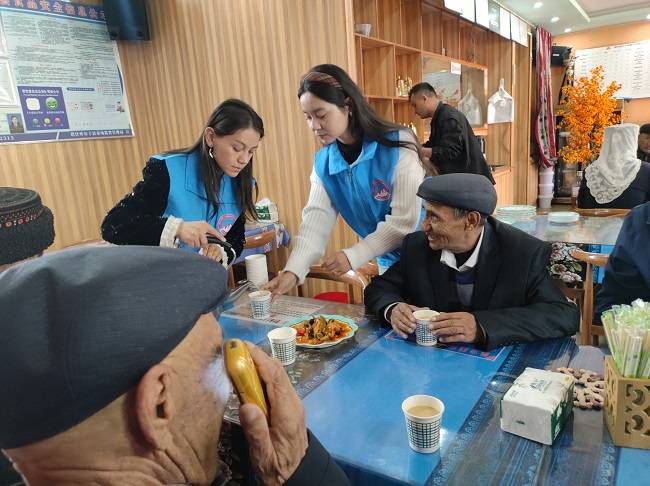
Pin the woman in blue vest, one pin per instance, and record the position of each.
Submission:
(206, 189)
(368, 172)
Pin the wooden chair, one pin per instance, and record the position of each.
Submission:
(602, 212)
(588, 331)
(353, 279)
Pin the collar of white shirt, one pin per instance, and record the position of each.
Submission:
(449, 259)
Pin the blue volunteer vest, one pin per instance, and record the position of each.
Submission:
(361, 192)
(187, 198)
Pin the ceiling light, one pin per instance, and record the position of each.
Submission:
(555, 19)
(538, 5)
(567, 30)
(647, 16)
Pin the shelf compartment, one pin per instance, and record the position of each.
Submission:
(379, 71)
(388, 21)
(365, 12)
(408, 65)
(411, 23)
(450, 35)
(432, 30)
(383, 108)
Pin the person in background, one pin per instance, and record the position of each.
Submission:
(452, 145)
(117, 376)
(643, 150)
(486, 278)
(26, 226)
(15, 125)
(617, 178)
(187, 194)
(368, 172)
(627, 274)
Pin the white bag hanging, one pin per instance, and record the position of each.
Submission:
(501, 106)
(471, 108)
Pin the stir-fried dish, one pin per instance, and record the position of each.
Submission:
(319, 330)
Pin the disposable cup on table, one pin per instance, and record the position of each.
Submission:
(423, 416)
(283, 344)
(260, 304)
(424, 336)
(256, 269)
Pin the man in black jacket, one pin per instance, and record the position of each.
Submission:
(452, 145)
(114, 375)
(488, 279)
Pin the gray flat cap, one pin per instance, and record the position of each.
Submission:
(81, 327)
(473, 192)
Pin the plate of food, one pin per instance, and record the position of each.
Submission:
(322, 330)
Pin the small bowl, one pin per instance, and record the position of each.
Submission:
(363, 29)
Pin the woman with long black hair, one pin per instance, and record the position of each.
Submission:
(187, 194)
(368, 171)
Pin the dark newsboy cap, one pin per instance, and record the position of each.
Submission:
(81, 327)
(473, 192)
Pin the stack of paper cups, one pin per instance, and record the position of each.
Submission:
(256, 270)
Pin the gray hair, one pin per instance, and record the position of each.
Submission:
(460, 213)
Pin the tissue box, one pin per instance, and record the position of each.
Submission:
(537, 405)
(267, 211)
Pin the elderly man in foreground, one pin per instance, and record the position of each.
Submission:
(486, 278)
(113, 375)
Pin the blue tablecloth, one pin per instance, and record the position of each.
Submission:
(353, 394)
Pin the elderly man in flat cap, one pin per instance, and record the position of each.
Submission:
(113, 375)
(488, 279)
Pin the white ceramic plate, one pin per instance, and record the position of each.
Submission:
(563, 217)
(347, 320)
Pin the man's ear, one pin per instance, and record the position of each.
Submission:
(154, 406)
(473, 219)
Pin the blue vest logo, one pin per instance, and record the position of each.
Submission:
(225, 222)
(380, 190)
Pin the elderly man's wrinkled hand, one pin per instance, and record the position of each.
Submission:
(402, 320)
(455, 327)
(277, 446)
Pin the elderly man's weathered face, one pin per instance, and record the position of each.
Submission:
(200, 391)
(644, 142)
(443, 230)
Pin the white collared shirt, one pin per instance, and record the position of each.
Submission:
(449, 259)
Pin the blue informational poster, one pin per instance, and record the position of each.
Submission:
(60, 74)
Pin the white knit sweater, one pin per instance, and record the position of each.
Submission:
(319, 217)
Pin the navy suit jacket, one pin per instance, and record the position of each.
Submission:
(627, 275)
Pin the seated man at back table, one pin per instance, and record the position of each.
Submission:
(487, 278)
(627, 275)
(113, 374)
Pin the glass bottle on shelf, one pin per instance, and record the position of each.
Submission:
(575, 188)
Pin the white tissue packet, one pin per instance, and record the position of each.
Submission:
(537, 405)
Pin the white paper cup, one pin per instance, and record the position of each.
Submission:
(423, 334)
(283, 344)
(256, 269)
(423, 430)
(260, 304)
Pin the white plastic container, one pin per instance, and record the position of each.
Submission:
(544, 202)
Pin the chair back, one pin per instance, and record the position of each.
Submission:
(588, 331)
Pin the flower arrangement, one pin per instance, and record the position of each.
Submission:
(587, 110)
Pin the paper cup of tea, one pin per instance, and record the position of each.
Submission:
(283, 344)
(260, 304)
(423, 334)
(423, 415)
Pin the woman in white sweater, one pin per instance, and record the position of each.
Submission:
(368, 171)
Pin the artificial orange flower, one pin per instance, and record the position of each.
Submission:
(587, 111)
